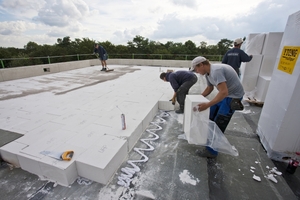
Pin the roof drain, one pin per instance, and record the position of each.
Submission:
(127, 172)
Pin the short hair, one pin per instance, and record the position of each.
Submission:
(96, 45)
(205, 62)
(235, 44)
(163, 75)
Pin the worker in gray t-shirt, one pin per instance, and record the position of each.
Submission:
(227, 100)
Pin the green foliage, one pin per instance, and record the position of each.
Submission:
(139, 48)
(224, 45)
(20, 61)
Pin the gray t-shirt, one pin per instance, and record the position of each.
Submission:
(225, 73)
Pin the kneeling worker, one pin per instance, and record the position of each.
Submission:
(181, 82)
(227, 100)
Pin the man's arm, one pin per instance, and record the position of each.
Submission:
(95, 50)
(174, 98)
(245, 57)
(207, 90)
(225, 59)
(223, 92)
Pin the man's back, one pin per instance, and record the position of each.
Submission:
(234, 57)
(177, 78)
(224, 73)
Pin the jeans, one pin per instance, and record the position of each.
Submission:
(221, 114)
(183, 90)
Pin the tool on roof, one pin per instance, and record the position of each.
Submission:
(66, 155)
(122, 119)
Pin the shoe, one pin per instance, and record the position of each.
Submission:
(205, 153)
(180, 111)
(103, 69)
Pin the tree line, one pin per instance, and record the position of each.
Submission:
(140, 47)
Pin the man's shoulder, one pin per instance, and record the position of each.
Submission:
(217, 65)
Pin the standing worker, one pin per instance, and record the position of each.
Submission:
(227, 100)
(102, 56)
(235, 56)
(181, 82)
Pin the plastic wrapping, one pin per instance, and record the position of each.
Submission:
(206, 133)
(198, 130)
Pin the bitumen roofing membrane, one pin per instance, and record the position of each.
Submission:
(172, 170)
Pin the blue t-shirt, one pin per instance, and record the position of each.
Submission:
(101, 51)
(177, 78)
(234, 57)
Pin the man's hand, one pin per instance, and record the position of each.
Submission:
(202, 106)
(173, 100)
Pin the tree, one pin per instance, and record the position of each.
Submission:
(65, 42)
(224, 45)
(31, 46)
(176, 48)
(139, 45)
(121, 49)
(190, 47)
(84, 45)
(202, 49)
(108, 46)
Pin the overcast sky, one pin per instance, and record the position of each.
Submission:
(119, 21)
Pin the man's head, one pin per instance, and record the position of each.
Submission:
(96, 45)
(238, 42)
(163, 76)
(198, 64)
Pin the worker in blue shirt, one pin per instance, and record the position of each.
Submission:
(235, 56)
(181, 82)
(102, 55)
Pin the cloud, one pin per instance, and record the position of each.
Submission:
(122, 37)
(14, 27)
(267, 16)
(187, 3)
(62, 12)
(172, 27)
(119, 21)
(22, 8)
(57, 33)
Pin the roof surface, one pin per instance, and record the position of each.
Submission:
(171, 170)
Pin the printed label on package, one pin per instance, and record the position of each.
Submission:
(288, 59)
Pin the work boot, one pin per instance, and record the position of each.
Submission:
(205, 153)
(180, 111)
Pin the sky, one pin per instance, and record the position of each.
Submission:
(119, 21)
